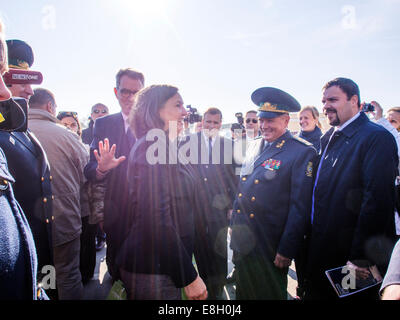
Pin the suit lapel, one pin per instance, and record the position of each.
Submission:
(22, 138)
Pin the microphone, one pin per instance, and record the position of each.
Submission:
(21, 76)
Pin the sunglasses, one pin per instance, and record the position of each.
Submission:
(64, 114)
(252, 120)
(100, 111)
(126, 92)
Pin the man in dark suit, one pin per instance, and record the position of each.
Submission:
(273, 201)
(109, 163)
(217, 184)
(354, 193)
(28, 164)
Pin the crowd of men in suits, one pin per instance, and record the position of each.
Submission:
(275, 197)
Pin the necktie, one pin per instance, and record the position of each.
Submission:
(209, 150)
(335, 135)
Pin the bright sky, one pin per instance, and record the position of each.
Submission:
(217, 52)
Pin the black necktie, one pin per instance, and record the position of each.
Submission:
(209, 150)
(266, 145)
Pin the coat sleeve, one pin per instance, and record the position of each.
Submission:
(375, 224)
(300, 203)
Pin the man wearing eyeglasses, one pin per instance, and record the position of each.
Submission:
(112, 142)
(251, 124)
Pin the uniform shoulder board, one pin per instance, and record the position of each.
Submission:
(301, 140)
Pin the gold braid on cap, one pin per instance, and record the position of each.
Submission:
(267, 106)
(21, 65)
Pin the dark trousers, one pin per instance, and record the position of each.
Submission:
(111, 256)
(257, 278)
(210, 252)
(88, 250)
(140, 286)
(300, 264)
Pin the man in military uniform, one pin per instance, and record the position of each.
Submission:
(272, 205)
(28, 164)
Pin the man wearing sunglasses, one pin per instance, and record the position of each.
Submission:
(251, 124)
(112, 142)
(98, 110)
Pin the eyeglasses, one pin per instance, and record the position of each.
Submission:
(252, 120)
(126, 92)
(100, 111)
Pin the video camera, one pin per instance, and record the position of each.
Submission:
(193, 116)
(20, 76)
(239, 117)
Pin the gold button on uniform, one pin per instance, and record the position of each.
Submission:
(251, 216)
(52, 218)
(47, 221)
(51, 178)
(205, 179)
(256, 181)
(244, 179)
(238, 211)
(240, 195)
(42, 179)
(44, 200)
(5, 182)
(52, 197)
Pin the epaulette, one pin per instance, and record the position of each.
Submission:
(301, 140)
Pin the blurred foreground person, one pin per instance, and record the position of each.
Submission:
(390, 288)
(272, 205)
(354, 194)
(155, 259)
(28, 164)
(18, 259)
(67, 157)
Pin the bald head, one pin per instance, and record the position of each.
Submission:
(43, 99)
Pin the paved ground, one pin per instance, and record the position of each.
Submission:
(99, 287)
